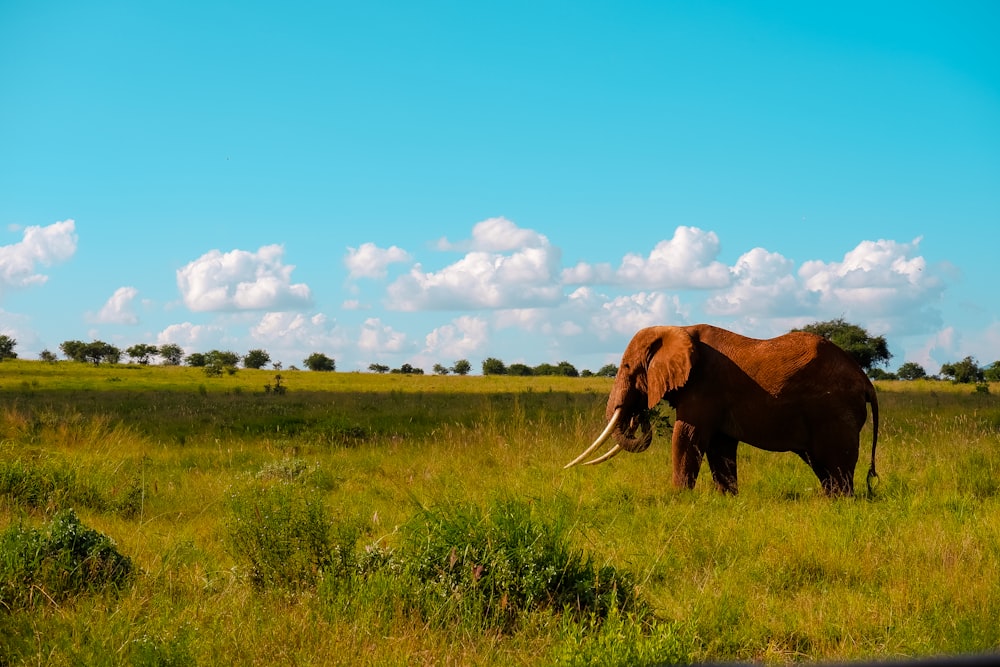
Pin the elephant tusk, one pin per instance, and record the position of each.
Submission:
(600, 439)
(607, 455)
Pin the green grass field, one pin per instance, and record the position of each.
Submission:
(382, 520)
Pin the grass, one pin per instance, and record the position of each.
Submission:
(365, 519)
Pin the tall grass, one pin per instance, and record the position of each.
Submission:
(363, 519)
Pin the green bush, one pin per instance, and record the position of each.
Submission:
(491, 567)
(58, 562)
(282, 534)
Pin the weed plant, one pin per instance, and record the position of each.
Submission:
(51, 564)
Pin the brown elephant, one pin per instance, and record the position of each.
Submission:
(795, 393)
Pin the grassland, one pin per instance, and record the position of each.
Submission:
(430, 522)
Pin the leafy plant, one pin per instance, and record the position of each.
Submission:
(491, 567)
(284, 537)
(65, 559)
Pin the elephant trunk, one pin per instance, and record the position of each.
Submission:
(634, 434)
(633, 431)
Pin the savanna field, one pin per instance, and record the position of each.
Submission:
(158, 516)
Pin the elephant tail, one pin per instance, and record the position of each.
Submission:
(872, 398)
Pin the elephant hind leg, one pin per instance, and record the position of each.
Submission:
(722, 462)
(835, 471)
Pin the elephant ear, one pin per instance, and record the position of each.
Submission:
(668, 367)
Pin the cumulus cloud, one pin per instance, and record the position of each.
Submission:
(624, 315)
(192, 337)
(241, 280)
(497, 235)
(879, 280)
(763, 284)
(118, 309)
(298, 331)
(46, 246)
(686, 261)
(377, 338)
(486, 278)
(370, 261)
(456, 340)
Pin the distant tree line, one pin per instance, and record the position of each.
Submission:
(871, 352)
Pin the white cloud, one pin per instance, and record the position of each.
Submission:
(763, 285)
(486, 277)
(588, 274)
(118, 308)
(192, 337)
(459, 339)
(686, 261)
(497, 235)
(624, 315)
(377, 338)
(241, 280)
(39, 245)
(298, 331)
(370, 261)
(881, 282)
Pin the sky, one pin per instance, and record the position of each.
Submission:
(400, 182)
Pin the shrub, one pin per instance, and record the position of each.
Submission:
(65, 559)
(490, 568)
(282, 534)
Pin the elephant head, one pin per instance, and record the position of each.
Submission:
(657, 360)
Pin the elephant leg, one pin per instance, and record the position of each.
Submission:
(835, 469)
(686, 455)
(722, 462)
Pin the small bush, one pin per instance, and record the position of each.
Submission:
(58, 562)
(284, 537)
(492, 567)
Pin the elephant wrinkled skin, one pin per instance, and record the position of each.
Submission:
(795, 393)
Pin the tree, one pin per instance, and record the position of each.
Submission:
(493, 366)
(7, 345)
(881, 374)
(378, 368)
(461, 367)
(48, 356)
(141, 352)
(911, 371)
(608, 371)
(407, 369)
(868, 351)
(520, 370)
(992, 372)
(222, 358)
(542, 370)
(197, 359)
(440, 370)
(171, 354)
(567, 369)
(317, 361)
(75, 350)
(965, 371)
(94, 352)
(256, 359)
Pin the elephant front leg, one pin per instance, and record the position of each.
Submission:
(722, 462)
(686, 455)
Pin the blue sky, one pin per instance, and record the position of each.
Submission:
(400, 182)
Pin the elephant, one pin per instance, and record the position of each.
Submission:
(797, 393)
